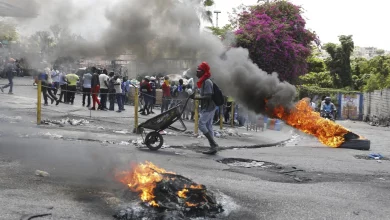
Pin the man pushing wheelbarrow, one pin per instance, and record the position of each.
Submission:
(210, 97)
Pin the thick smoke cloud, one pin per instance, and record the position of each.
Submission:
(154, 28)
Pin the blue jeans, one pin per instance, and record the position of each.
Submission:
(119, 100)
(10, 84)
(206, 122)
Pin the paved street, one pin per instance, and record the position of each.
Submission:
(305, 180)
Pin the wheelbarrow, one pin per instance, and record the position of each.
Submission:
(154, 140)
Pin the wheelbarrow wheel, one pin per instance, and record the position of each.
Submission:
(154, 140)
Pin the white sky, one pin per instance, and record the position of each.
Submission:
(367, 21)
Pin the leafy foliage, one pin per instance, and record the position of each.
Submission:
(8, 32)
(319, 79)
(339, 62)
(374, 73)
(276, 38)
(221, 32)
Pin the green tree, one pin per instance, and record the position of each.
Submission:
(221, 32)
(207, 14)
(8, 32)
(339, 62)
(319, 79)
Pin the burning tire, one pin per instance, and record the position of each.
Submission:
(357, 144)
(154, 140)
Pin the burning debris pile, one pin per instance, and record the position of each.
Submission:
(328, 132)
(166, 194)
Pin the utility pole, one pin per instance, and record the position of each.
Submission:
(217, 12)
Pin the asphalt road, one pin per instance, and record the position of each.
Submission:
(306, 180)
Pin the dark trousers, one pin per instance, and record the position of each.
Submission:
(56, 87)
(87, 92)
(111, 98)
(72, 93)
(146, 106)
(10, 84)
(51, 93)
(119, 100)
(103, 97)
(165, 104)
(44, 92)
(227, 112)
(123, 101)
(64, 93)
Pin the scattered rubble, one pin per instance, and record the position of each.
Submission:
(41, 173)
(63, 122)
(122, 132)
(51, 136)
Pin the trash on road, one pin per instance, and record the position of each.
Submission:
(375, 156)
(122, 132)
(65, 121)
(41, 173)
(166, 195)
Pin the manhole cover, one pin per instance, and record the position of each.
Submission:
(248, 163)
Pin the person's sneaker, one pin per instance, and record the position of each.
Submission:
(152, 113)
(143, 113)
(211, 151)
(111, 109)
(58, 102)
(1, 88)
(119, 111)
(46, 104)
(88, 106)
(10, 93)
(52, 101)
(123, 109)
(92, 109)
(84, 105)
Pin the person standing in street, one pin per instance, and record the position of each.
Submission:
(111, 90)
(103, 82)
(50, 86)
(43, 77)
(208, 107)
(166, 89)
(146, 93)
(153, 86)
(9, 69)
(87, 78)
(125, 90)
(118, 93)
(95, 88)
(72, 79)
(64, 88)
(55, 75)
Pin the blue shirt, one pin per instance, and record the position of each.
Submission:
(87, 78)
(62, 79)
(55, 76)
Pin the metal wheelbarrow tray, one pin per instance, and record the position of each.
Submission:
(154, 140)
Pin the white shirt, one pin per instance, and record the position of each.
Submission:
(118, 88)
(103, 78)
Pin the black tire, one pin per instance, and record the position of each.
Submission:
(152, 139)
(356, 144)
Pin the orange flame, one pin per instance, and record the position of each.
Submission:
(182, 193)
(142, 179)
(188, 204)
(310, 122)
